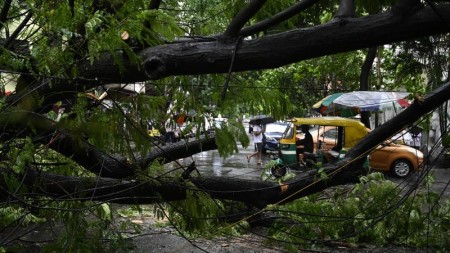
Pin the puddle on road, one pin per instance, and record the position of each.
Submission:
(209, 163)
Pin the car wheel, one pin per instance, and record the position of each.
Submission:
(401, 167)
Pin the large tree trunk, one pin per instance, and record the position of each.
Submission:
(339, 35)
(215, 55)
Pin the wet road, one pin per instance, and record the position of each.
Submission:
(210, 163)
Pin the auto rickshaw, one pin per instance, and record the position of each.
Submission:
(332, 137)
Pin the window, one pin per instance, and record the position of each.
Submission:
(289, 133)
(331, 134)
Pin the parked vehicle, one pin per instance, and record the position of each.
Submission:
(194, 125)
(272, 136)
(349, 132)
(389, 156)
(398, 159)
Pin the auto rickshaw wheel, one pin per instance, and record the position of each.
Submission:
(278, 171)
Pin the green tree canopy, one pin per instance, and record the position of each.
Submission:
(74, 130)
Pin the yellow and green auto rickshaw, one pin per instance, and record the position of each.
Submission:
(332, 138)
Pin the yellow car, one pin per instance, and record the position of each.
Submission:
(389, 156)
(398, 159)
(154, 133)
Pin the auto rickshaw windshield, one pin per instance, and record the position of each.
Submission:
(289, 132)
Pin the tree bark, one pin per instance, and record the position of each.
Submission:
(154, 4)
(191, 58)
(346, 9)
(364, 80)
(107, 165)
(61, 187)
(16, 32)
(242, 17)
(49, 133)
(4, 12)
(252, 192)
(277, 18)
(214, 56)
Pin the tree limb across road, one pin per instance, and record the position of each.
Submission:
(339, 35)
(252, 192)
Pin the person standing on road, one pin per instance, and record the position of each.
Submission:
(170, 136)
(257, 140)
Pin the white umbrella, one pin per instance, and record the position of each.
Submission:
(371, 100)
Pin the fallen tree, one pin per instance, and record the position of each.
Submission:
(229, 51)
(215, 54)
(61, 54)
(342, 34)
(256, 193)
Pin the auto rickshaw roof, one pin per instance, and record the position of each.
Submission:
(355, 130)
(328, 121)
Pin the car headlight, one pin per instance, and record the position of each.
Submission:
(416, 152)
(419, 154)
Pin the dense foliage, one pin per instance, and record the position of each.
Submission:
(375, 211)
(63, 142)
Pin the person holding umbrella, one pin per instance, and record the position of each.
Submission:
(257, 140)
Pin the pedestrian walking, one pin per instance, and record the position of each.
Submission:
(257, 140)
(170, 136)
